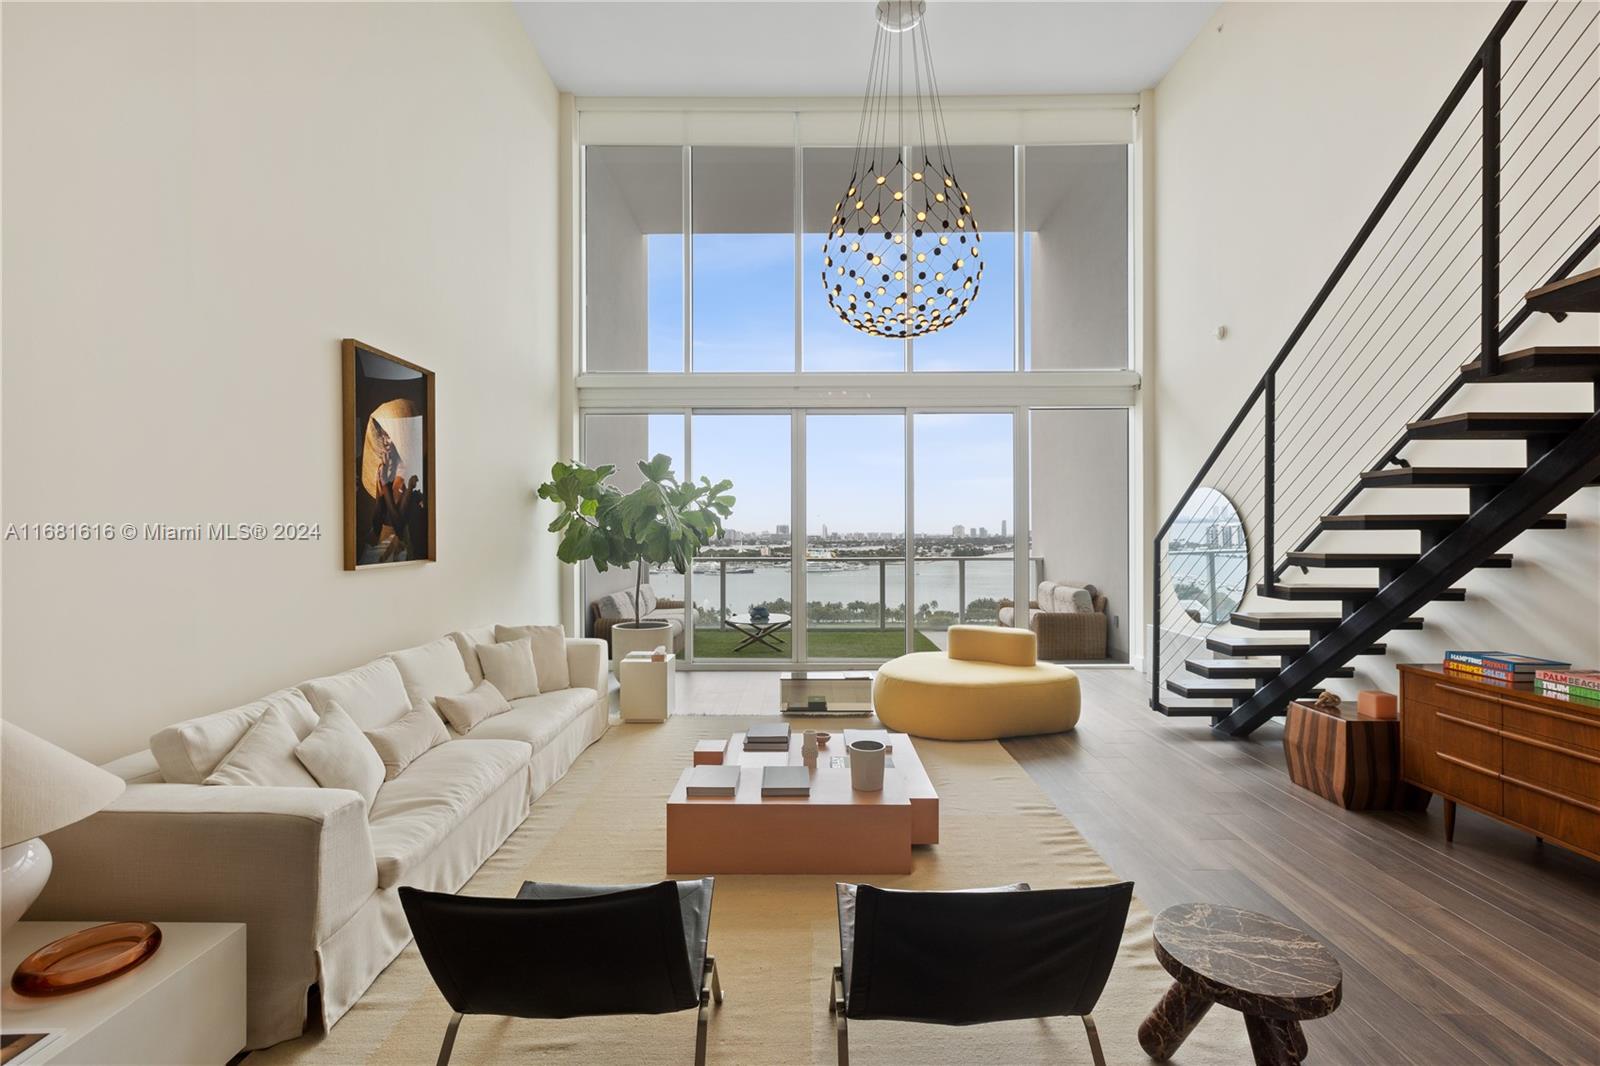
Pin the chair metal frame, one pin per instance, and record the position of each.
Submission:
(841, 1024)
(710, 992)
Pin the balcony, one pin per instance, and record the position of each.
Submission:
(856, 606)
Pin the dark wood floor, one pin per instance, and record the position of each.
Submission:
(1482, 951)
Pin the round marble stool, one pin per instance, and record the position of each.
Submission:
(1272, 973)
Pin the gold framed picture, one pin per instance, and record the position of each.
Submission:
(390, 484)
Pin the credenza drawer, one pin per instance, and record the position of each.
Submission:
(1574, 728)
(1573, 773)
(1457, 699)
(1562, 820)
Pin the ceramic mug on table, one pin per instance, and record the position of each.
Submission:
(866, 765)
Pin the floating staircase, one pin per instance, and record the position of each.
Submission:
(1250, 679)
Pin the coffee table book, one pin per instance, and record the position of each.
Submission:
(767, 736)
(785, 781)
(712, 780)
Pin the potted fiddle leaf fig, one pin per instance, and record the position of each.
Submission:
(662, 521)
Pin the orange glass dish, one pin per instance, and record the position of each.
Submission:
(86, 958)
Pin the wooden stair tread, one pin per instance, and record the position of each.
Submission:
(1430, 522)
(1269, 620)
(1200, 687)
(1440, 477)
(1252, 667)
(1207, 709)
(1284, 590)
(1581, 292)
(1497, 425)
(1548, 362)
(1382, 560)
(1240, 645)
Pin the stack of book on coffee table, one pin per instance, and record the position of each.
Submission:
(767, 736)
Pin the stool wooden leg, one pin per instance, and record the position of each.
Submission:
(1171, 1022)
(1273, 1042)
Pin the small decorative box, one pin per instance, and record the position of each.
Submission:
(1371, 703)
(710, 752)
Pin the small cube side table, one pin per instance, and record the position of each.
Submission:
(183, 1005)
(1346, 758)
(647, 687)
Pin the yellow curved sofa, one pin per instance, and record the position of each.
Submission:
(988, 684)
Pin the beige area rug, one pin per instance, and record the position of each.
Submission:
(775, 938)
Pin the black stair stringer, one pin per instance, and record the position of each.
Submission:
(1555, 476)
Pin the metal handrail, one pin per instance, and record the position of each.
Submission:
(1485, 65)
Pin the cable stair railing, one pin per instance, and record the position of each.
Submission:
(1492, 219)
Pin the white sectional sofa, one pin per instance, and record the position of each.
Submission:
(312, 872)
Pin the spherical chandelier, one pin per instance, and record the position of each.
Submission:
(902, 257)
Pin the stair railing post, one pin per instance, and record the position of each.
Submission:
(1489, 360)
(1269, 560)
(1155, 625)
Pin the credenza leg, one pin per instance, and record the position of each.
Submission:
(1449, 820)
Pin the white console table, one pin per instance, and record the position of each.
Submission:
(185, 1005)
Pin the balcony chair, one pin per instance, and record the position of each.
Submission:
(570, 951)
(965, 958)
(1070, 620)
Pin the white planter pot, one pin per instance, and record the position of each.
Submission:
(645, 636)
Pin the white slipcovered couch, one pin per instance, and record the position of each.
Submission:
(311, 872)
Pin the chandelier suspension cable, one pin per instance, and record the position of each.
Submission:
(902, 255)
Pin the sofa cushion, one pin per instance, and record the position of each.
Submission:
(1062, 598)
(549, 652)
(646, 599)
(467, 710)
(432, 670)
(264, 756)
(467, 641)
(339, 755)
(189, 751)
(616, 605)
(416, 811)
(404, 740)
(537, 719)
(509, 667)
(372, 695)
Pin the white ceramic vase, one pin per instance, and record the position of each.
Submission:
(24, 868)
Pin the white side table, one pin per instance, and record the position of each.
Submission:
(647, 687)
(185, 1004)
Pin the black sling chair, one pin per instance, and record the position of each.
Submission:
(569, 951)
(964, 958)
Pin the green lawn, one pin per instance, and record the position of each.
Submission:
(712, 643)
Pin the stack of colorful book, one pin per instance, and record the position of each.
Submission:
(1578, 686)
(1499, 665)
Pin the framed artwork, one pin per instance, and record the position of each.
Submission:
(389, 479)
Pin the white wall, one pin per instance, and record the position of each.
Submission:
(1079, 468)
(1272, 144)
(1079, 241)
(200, 201)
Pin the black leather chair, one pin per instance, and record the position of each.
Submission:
(569, 951)
(963, 958)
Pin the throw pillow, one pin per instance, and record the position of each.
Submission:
(509, 668)
(616, 605)
(647, 599)
(468, 709)
(549, 653)
(338, 755)
(402, 741)
(264, 756)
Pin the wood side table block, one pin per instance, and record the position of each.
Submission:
(184, 1005)
(1343, 757)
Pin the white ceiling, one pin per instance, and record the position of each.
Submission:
(821, 47)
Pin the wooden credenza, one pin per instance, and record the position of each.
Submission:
(1529, 760)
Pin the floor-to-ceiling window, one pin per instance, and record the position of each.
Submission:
(946, 485)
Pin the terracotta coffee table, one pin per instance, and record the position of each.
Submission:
(834, 830)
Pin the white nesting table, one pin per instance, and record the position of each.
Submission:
(185, 1005)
